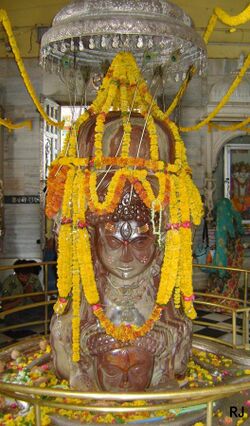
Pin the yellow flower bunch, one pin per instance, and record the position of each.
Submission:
(177, 292)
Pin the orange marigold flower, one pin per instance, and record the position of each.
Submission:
(55, 189)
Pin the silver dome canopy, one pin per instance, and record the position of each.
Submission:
(90, 32)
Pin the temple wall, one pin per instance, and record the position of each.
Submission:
(21, 164)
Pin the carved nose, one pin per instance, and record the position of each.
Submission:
(124, 383)
(126, 255)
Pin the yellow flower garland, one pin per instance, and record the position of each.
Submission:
(11, 126)
(64, 282)
(76, 293)
(180, 92)
(127, 128)
(233, 127)
(210, 28)
(126, 333)
(226, 19)
(7, 26)
(233, 21)
(223, 101)
(169, 268)
(116, 185)
(186, 248)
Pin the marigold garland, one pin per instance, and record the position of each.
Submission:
(210, 27)
(64, 269)
(196, 206)
(129, 162)
(124, 107)
(123, 332)
(12, 126)
(83, 247)
(185, 267)
(172, 250)
(181, 91)
(232, 21)
(86, 267)
(55, 189)
(116, 185)
(233, 127)
(7, 26)
(75, 272)
(177, 293)
(224, 100)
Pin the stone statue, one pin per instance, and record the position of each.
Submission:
(127, 262)
(123, 192)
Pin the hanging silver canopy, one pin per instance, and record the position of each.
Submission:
(91, 32)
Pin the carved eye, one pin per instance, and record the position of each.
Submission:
(138, 371)
(140, 242)
(113, 242)
(112, 371)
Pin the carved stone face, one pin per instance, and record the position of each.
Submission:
(125, 248)
(126, 370)
(126, 263)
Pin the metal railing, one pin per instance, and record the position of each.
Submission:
(202, 301)
(164, 400)
(46, 303)
(39, 397)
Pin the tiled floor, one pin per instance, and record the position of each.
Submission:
(220, 319)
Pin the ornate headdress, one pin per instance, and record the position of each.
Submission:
(73, 186)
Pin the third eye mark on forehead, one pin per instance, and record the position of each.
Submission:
(126, 231)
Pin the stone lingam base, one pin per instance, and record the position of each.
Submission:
(215, 367)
